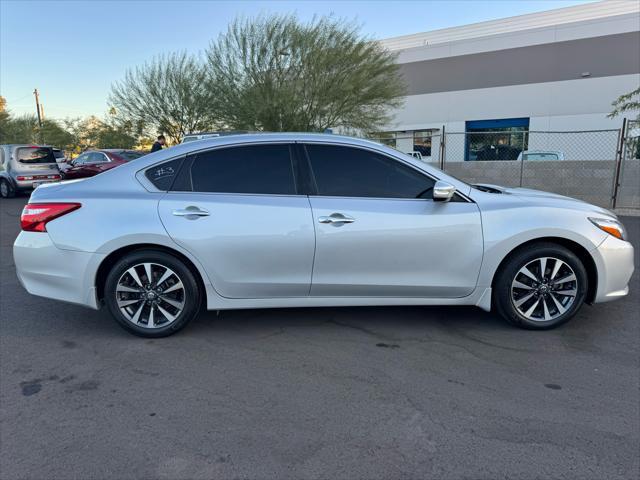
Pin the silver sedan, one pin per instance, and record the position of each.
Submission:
(304, 220)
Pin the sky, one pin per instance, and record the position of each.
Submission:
(72, 51)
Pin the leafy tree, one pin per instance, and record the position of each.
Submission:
(278, 74)
(627, 103)
(167, 95)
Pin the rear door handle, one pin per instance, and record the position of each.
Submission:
(336, 219)
(191, 212)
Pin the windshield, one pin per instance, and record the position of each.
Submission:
(35, 155)
(130, 155)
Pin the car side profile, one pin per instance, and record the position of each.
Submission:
(308, 220)
(94, 162)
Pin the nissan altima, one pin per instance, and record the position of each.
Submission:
(308, 220)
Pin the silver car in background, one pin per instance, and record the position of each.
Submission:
(24, 167)
(308, 220)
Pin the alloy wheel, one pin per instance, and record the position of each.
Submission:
(544, 289)
(150, 295)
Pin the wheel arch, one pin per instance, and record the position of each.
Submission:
(577, 249)
(110, 260)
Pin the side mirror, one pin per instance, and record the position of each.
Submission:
(443, 191)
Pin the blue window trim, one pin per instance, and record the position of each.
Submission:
(497, 123)
(475, 125)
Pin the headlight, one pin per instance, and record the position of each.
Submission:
(611, 226)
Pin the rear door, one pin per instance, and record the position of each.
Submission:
(379, 233)
(239, 211)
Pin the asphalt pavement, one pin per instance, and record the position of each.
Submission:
(336, 393)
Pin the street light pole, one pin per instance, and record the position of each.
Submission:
(35, 92)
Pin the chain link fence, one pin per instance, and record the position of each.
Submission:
(582, 164)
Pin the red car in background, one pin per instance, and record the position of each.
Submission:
(97, 161)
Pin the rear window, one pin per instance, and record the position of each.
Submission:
(130, 155)
(35, 155)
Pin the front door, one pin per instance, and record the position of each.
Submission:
(379, 233)
(237, 210)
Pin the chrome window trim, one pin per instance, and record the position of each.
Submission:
(141, 177)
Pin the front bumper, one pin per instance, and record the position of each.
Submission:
(614, 260)
(48, 271)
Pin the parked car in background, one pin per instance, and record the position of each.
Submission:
(24, 167)
(198, 136)
(415, 154)
(294, 220)
(202, 135)
(541, 155)
(97, 161)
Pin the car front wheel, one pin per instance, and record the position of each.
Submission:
(152, 293)
(540, 287)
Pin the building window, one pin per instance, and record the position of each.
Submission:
(502, 139)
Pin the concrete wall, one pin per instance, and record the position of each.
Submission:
(589, 181)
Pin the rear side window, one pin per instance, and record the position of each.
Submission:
(33, 155)
(353, 172)
(258, 169)
(163, 174)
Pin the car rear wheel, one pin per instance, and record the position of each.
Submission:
(6, 189)
(540, 287)
(152, 293)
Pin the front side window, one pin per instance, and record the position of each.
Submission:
(342, 171)
(257, 169)
(97, 157)
(81, 160)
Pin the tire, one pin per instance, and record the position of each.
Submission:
(548, 301)
(6, 189)
(156, 308)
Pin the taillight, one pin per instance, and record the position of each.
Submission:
(35, 216)
(22, 178)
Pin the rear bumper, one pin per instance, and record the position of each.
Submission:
(48, 271)
(614, 260)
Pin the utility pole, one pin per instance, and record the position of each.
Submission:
(35, 92)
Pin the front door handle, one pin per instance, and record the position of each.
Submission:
(336, 219)
(191, 212)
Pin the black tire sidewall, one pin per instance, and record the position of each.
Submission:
(192, 291)
(502, 289)
(10, 189)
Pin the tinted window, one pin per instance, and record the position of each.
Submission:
(130, 155)
(163, 175)
(97, 157)
(80, 160)
(353, 172)
(262, 169)
(35, 155)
